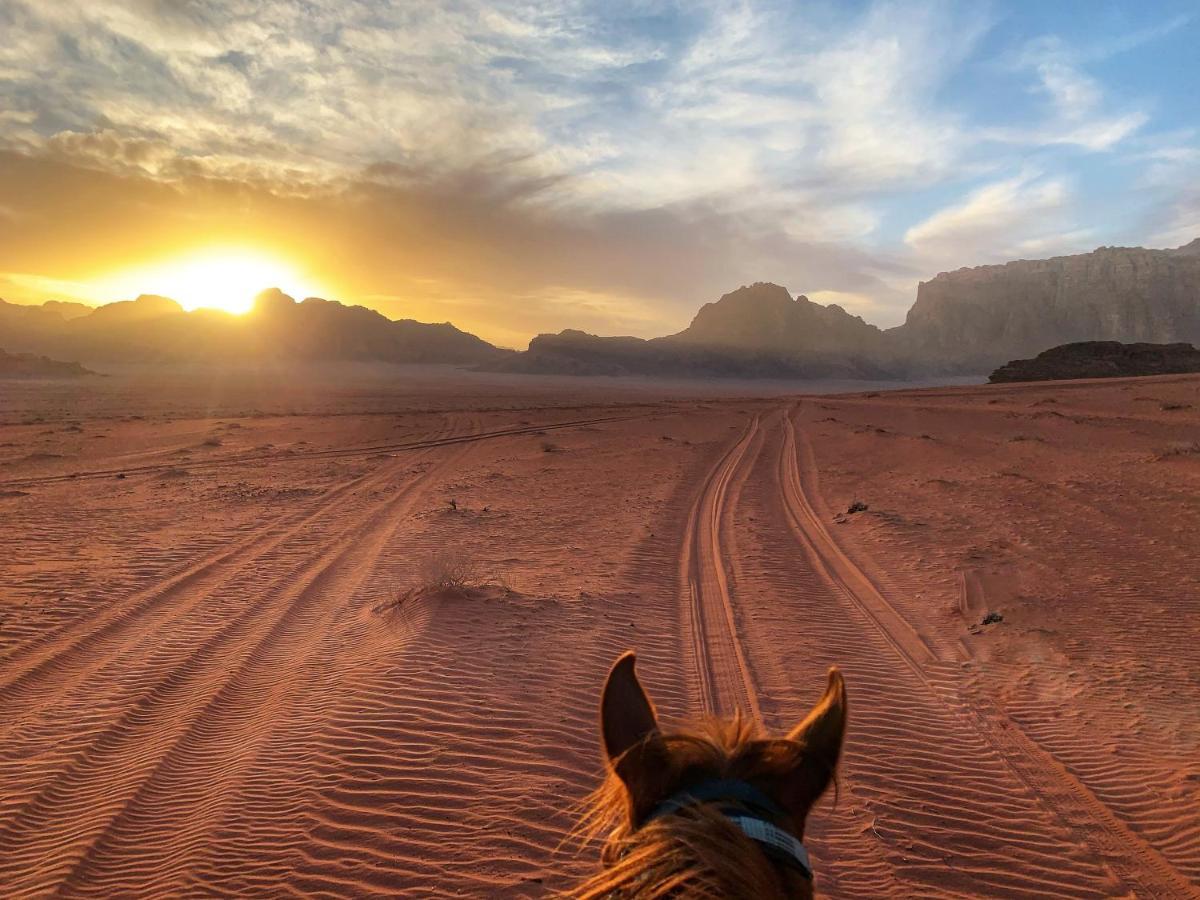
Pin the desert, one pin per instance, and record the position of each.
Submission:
(735, 450)
(214, 684)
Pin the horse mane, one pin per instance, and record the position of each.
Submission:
(696, 852)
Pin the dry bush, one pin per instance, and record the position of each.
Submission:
(450, 571)
(1180, 448)
(548, 447)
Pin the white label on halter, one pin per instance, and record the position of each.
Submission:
(758, 830)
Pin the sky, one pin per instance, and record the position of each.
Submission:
(518, 168)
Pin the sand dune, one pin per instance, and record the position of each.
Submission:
(201, 695)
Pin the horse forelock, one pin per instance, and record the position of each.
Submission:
(697, 852)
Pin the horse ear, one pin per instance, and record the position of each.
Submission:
(635, 747)
(627, 716)
(821, 734)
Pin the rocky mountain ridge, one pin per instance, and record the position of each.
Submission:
(964, 322)
(157, 329)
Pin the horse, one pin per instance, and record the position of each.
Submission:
(713, 811)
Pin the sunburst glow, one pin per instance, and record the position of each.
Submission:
(215, 278)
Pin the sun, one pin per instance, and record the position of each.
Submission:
(224, 278)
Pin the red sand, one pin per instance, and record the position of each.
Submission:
(198, 697)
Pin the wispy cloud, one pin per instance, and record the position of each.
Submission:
(1025, 214)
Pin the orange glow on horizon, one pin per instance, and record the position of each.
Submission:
(224, 278)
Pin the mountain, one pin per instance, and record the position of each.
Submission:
(27, 365)
(157, 329)
(754, 332)
(1101, 359)
(975, 319)
(764, 318)
(964, 322)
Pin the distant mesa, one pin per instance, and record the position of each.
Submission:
(1101, 359)
(29, 365)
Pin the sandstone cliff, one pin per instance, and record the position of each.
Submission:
(975, 319)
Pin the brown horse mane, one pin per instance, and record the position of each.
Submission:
(696, 852)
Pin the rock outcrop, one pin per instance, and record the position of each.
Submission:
(972, 320)
(1101, 359)
(28, 365)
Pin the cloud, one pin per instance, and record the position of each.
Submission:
(1077, 100)
(510, 162)
(1013, 217)
(466, 248)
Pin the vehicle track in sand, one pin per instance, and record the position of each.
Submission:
(950, 731)
(60, 657)
(82, 786)
(722, 674)
(305, 455)
(1141, 867)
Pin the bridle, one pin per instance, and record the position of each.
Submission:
(752, 811)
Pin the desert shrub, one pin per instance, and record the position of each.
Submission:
(1181, 448)
(548, 447)
(450, 571)
(1168, 407)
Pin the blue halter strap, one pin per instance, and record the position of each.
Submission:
(752, 811)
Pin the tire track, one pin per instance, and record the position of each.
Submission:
(168, 751)
(1138, 864)
(210, 572)
(66, 655)
(333, 453)
(722, 673)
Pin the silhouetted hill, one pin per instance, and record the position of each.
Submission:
(754, 332)
(964, 322)
(157, 329)
(1101, 359)
(28, 365)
